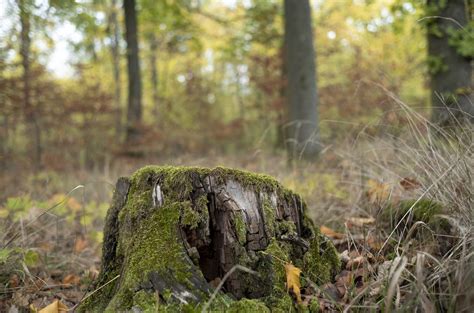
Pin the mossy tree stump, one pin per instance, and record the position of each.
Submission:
(173, 232)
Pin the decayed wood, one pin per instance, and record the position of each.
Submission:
(214, 247)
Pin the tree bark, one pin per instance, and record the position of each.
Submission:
(304, 140)
(115, 52)
(451, 80)
(154, 73)
(134, 114)
(31, 115)
(177, 231)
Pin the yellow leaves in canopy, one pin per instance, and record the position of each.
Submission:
(293, 280)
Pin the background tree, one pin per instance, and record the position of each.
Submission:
(114, 31)
(134, 113)
(303, 135)
(451, 49)
(31, 116)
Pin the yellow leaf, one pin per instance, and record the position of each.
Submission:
(293, 280)
(377, 192)
(73, 204)
(360, 221)
(55, 307)
(331, 233)
(80, 244)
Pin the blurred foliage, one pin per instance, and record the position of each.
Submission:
(220, 76)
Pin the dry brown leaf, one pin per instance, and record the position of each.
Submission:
(293, 280)
(410, 183)
(360, 221)
(71, 279)
(80, 244)
(55, 307)
(374, 243)
(14, 281)
(377, 192)
(331, 233)
(355, 263)
(73, 204)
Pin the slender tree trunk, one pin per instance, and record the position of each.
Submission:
(302, 96)
(451, 78)
(134, 114)
(4, 132)
(115, 51)
(30, 111)
(281, 118)
(154, 72)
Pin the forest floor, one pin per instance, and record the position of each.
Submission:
(399, 209)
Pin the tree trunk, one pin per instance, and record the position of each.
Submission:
(451, 72)
(115, 52)
(302, 97)
(30, 112)
(154, 73)
(134, 114)
(281, 117)
(172, 233)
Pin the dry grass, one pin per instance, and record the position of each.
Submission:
(417, 264)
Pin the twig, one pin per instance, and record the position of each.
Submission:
(86, 297)
(226, 276)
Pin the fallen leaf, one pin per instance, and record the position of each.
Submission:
(374, 243)
(293, 280)
(55, 307)
(73, 204)
(377, 192)
(343, 282)
(355, 263)
(331, 233)
(14, 281)
(71, 279)
(410, 183)
(360, 221)
(80, 244)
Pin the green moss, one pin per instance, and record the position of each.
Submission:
(190, 217)
(269, 216)
(424, 210)
(273, 266)
(259, 182)
(241, 227)
(313, 306)
(145, 300)
(248, 306)
(283, 304)
(285, 227)
(320, 267)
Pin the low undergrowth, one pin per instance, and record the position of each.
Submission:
(399, 209)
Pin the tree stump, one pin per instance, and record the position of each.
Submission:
(172, 233)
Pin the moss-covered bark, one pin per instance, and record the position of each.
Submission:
(171, 231)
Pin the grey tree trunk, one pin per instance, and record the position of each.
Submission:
(303, 127)
(30, 111)
(115, 51)
(134, 114)
(451, 80)
(154, 73)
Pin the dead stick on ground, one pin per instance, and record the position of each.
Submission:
(226, 276)
(82, 300)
